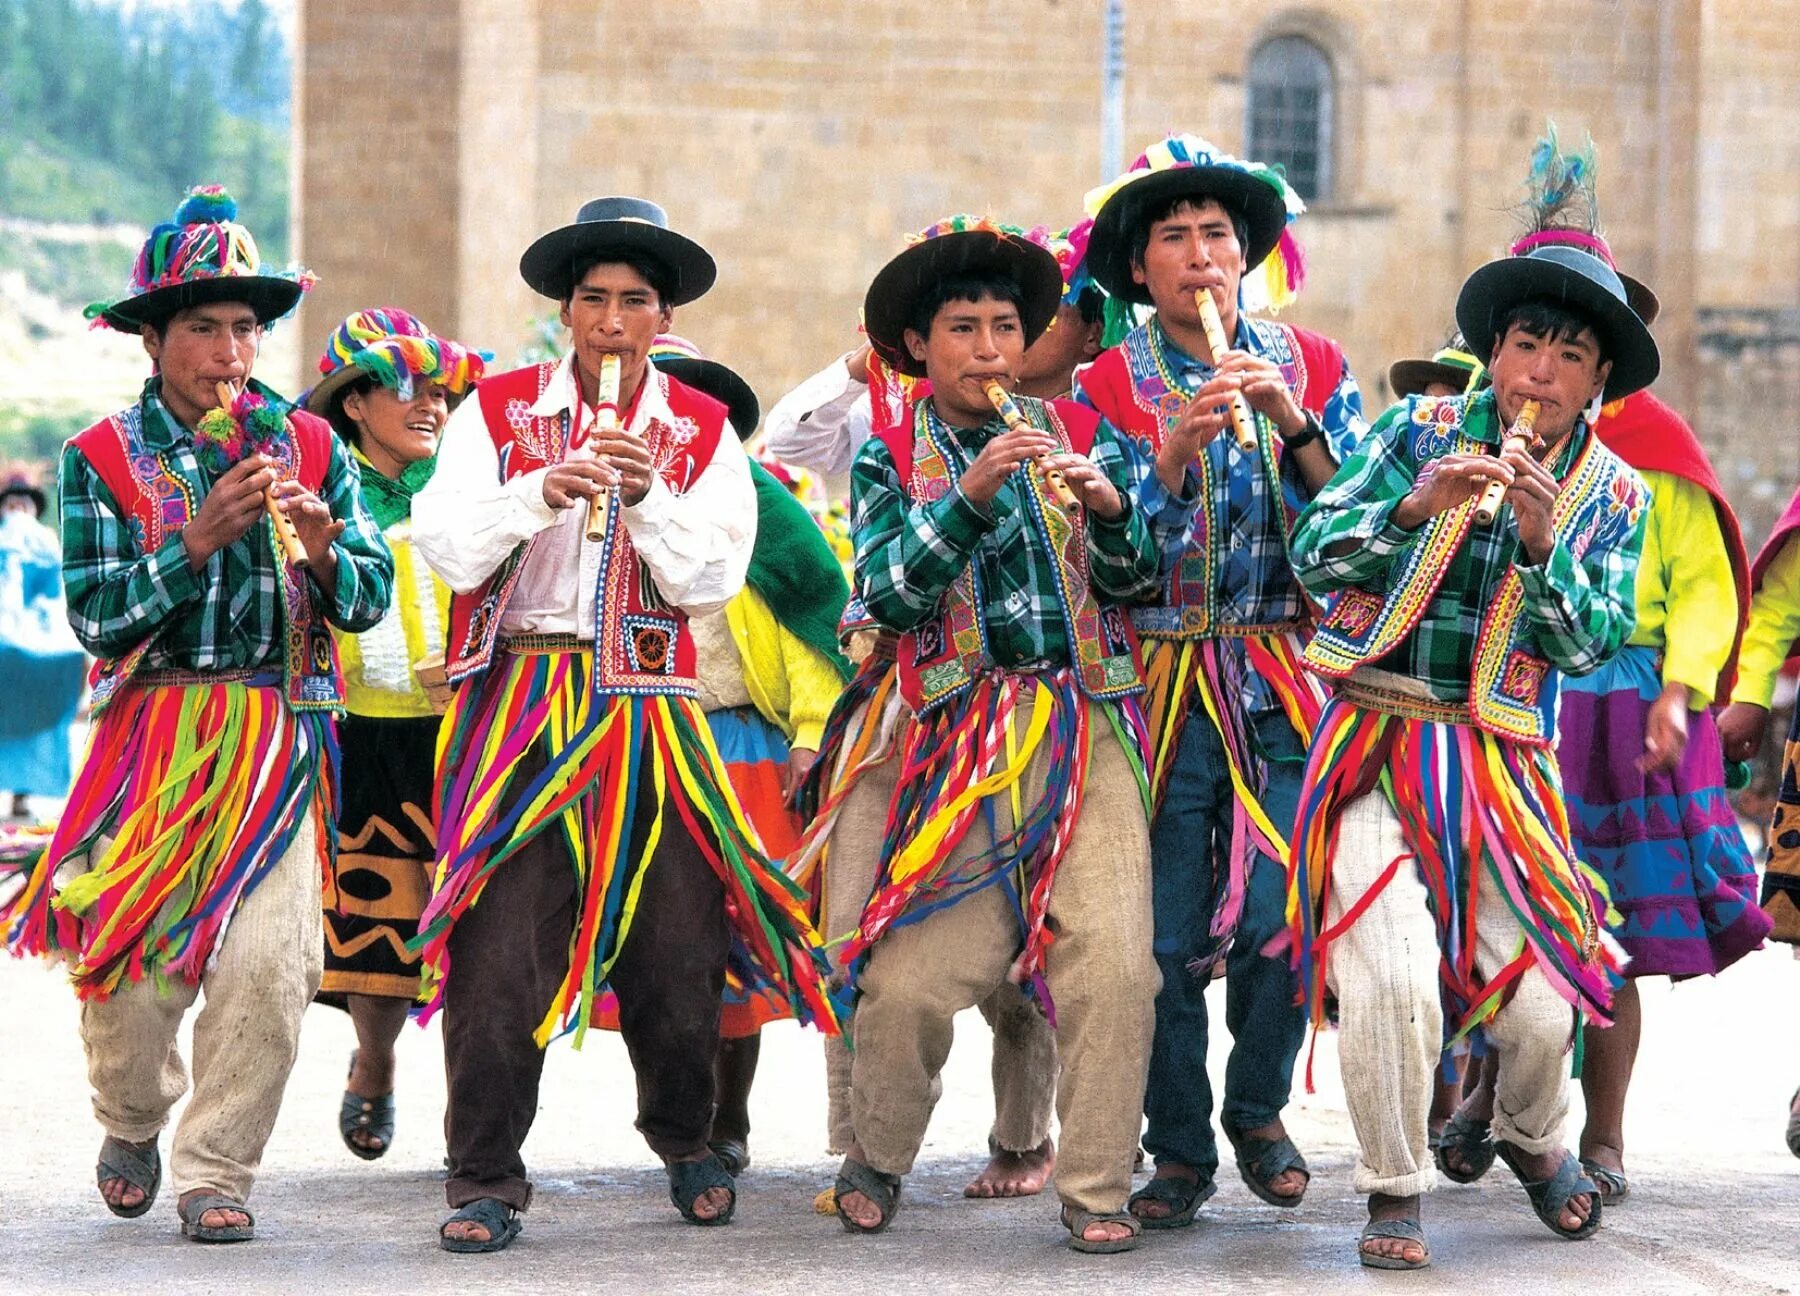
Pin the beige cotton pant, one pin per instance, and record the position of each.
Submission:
(1099, 969)
(1024, 1065)
(266, 970)
(1384, 970)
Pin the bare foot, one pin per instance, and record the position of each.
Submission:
(1106, 1231)
(122, 1192)
(1383, 1207)
(1289, 1183)
(217, 1216)
(1015, 1174)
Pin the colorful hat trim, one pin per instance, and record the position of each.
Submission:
(1275, 273)
(187, 258)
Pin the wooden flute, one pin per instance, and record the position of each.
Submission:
(606, 419)
(1014, 419)
(1521, 434)
(291, 544)
(1243, 423)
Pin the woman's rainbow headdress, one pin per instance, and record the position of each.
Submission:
(394, 348)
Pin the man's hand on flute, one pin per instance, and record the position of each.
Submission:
(1263, 386)
(1532, 495)
(231, 508)
(1001, 458)
(1091, 486)
(628, 459)
(316, 527)
(1446, 482)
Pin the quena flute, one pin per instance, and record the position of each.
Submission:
(1521, 434)
(1243, 424)
(284, 525)
(606, 419)
(1014, 420)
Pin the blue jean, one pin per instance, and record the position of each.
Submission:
(1267, 1024)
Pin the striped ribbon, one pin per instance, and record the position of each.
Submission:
(202, 788)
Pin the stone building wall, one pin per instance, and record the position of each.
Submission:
(800, 140)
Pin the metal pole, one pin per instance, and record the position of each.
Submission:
(1112, 91)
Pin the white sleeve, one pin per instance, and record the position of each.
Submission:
(820, 424)
(466, 520)
(697, 544)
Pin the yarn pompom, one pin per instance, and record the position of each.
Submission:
(253, 425)
(206, 205)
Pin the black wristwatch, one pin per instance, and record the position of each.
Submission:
(1313, 431)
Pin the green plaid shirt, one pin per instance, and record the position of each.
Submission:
(1578, 612)
(908, 555)
(228, 615)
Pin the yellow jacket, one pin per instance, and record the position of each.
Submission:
(790, 682)
(1687, 602)
(378, 674)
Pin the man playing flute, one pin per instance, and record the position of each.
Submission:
(1016, 846)
(820, 425)
(190, 854)
(1230, 709)
(1433, 886)
(588, 837)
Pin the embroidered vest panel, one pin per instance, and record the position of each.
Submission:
(1513, 688)
(159, 499)
(1129, 387)
(943, 657)
(641, 644)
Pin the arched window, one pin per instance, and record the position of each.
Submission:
(1288, 112)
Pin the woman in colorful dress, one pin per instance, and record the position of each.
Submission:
(387, 386)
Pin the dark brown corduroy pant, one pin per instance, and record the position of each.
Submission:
(508, 955)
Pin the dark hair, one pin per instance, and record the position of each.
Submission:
(653, 271)
(1554, 323)
(965, 286)
(1148, 216)
(1092, 304)
(334, 411)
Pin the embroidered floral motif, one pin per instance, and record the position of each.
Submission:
(1355, 612)
(1523, 678)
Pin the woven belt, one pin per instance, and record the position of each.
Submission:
(1403, 703)
(170, 678)
(528, 645)
(1257, 631)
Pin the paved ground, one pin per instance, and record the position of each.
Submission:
(1714, 1209)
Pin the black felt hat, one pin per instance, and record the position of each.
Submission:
(963, 247)
(682, 361)
(1573, 279)
(633, 226)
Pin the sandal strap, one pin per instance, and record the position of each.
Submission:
(1168, 1190)
(192, 1208)
(1267, 1158)
(1078, 1221)
(1398, 1230)
(489, 1212)
(882, 1189)
(119, 1160)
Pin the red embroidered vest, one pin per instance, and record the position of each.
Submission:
(944, 656)
(641, 643)
(158, 499)
(1128, 387)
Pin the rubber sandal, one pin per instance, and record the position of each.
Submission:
(1260, 1160)
(1613, 1185)
(882, 1189)
(500, 1220)
(375, 1116)
(141, 1168)
(734, 1153)
(1400, 1230)
(1183, 1199)
(688, 1179)
(193, 1208)
(1473, 1140)
(1077, 1222)
(1550, 1196)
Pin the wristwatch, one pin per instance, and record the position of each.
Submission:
(1313, 431)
